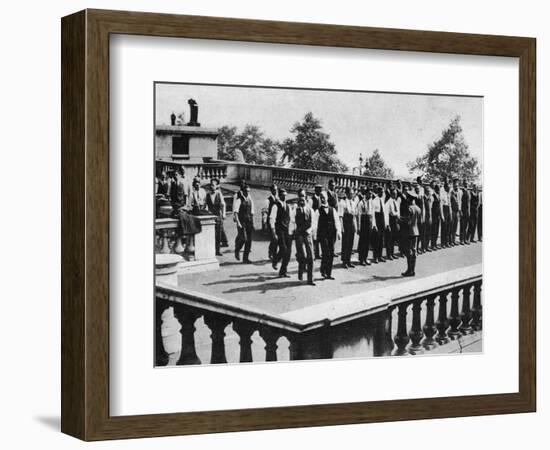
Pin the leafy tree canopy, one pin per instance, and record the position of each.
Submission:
(251, 143)
(375, 166)
(311, 148)
(447, 157)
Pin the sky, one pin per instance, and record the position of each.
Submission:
(400, 126)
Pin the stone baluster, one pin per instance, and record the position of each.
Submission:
(178, 245)
(416, 333)
(402, 337)
(477, 309)
(165, 247)
(296, 347)
(429, 326)
(270, 337)
(161, 356)
(217, 324)
(442, 323)
(244, 330)
(382, 339)
(466, 314)
(454, 315)
(187, 318)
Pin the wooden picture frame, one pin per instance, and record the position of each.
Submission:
(85, 228)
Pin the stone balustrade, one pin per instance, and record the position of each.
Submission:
(204, 171)
(198, 251)
(407, 319)
(265, 176)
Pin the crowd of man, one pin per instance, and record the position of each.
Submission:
(414, 217)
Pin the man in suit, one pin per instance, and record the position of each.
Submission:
(419, 191)
(315, 203)
(392, 208)
(464, 213)
(480, 217)
(304, 222)
(366, 220)
(348, 218)
(446, 214)
(332, 197)
(280, 226)
(436, 216)
(328, 230)
(271, 201)
(379, 207)
(474, 203)
(179, 189)
(428, 223)
(455, 200)
(216, 206)
(244, 218)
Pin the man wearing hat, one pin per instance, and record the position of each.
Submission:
(365, 218)
(280, 229)
(411, 231)
(328, 230)
(348, 216)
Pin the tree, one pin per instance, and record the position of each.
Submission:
(375, 166)
(252, 143)
(310, 148)
(447, 157)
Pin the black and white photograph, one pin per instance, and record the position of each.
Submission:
(297, 224)
(306, 224)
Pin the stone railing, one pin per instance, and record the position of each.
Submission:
(408, 318)
(205, 171)
(198, 251)
(265, 176)
(169, 239)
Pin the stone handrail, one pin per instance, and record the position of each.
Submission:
(265, 176)
(321, 331)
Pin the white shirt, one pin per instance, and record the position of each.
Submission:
(346, 206)
(291, 212)
(237, 205)
(365, 206)
(444, 197)
(378, 205)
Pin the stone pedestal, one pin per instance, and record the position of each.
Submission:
(205, 248)
(166, 267)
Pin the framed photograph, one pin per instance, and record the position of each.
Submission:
(273, 225)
